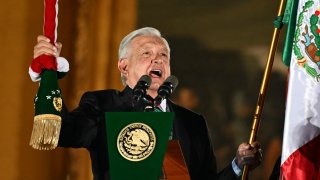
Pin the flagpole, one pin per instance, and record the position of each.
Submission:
(264, 85)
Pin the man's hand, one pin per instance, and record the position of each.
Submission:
(39, 64)
(250, 155)
(44, 46)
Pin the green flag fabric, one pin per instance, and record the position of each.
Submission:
(48, 106)
(289, 18)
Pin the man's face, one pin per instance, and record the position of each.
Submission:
(146, 55)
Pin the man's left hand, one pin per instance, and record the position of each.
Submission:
(249, 154)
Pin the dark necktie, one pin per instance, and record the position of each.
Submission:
(150, 107)
(158, 109)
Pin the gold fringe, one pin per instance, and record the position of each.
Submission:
(46, 131)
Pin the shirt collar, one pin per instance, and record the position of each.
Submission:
(163, 105)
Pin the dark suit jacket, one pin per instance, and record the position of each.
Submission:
(85, 127)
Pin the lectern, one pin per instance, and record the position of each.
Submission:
(137, 142)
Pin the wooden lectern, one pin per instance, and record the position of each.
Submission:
(174, 166)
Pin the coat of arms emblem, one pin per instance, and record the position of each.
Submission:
(136, 142)
(306, 42)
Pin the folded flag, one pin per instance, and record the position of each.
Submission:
(48, 101)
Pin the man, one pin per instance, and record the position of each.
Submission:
(141, 52)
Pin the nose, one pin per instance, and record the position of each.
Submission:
(157, 61)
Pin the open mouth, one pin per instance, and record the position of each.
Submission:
(156, 73)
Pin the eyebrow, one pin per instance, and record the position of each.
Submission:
(148, 44)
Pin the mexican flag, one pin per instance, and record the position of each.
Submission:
(301, 140)
(48, 100)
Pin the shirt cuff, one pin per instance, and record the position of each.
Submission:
(235, 168)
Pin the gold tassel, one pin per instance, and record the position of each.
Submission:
(46, 131)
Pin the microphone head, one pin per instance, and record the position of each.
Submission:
(146, 79)
(139, 91)
(172, 80)
(167, 87)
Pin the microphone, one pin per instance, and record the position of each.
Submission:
(166, 89)
(139, 91)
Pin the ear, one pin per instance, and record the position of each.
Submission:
(122, 66)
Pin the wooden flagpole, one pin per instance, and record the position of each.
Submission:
(264, 85)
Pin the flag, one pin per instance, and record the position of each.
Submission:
(48, 101)
(300, 157)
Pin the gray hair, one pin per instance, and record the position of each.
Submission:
(125, 43)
